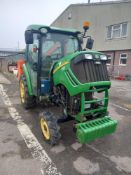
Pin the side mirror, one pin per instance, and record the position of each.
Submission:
(89, 43)
(28, 37)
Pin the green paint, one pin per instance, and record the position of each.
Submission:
(66, 77)
(27, 79)
(94, 129)
(102, 110)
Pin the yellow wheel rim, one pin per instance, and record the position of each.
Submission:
(45, 129)
(22, 92)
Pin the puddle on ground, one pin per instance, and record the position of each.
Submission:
(123, 163)
(85, 166)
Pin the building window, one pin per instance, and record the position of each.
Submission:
(69, 16)
(123, 59)
(117, 31)
(109, 60)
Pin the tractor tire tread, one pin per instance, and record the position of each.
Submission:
(53, 127)
(30, 101)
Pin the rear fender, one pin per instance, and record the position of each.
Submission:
(29, 85)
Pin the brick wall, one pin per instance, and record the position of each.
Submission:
(115, 68)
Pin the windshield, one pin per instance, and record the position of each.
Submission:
(58, 45)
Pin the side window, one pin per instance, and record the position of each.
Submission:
(32, 50)
(123, 59)
(51, 52)
(117, 31)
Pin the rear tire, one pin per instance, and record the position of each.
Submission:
(26, 100)
(50, 128)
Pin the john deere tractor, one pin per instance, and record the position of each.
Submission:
(59, 72)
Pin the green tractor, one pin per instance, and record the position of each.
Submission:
(59, 72)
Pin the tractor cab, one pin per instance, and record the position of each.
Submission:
(45, 47)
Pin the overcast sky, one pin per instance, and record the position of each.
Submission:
(16, 15)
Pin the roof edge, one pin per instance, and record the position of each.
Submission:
(62, 13)
(37, 27)
(102, 3)
(91, 4)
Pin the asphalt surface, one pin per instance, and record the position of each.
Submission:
(24, 152)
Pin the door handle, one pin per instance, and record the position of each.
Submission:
(35, 66)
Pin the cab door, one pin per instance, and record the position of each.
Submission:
(50, 54)
(32, 63)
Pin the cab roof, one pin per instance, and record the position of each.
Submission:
(36, 27)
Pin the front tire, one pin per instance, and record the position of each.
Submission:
(50, 128)
(26, 100)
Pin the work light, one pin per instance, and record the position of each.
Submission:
(103, 57)
(88, 56)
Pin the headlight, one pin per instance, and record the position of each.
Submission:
(43, 30)
(88, 56)
(103, 57)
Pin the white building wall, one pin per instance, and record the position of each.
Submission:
(100, 15)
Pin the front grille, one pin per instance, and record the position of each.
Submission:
(90, 70)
